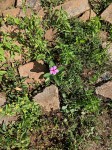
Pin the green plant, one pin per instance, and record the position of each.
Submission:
(51, 3)
(18, 134)
(77, 56)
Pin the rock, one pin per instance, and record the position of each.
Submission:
(74, 7)
(8, 28)
(20, 3)
(34, 71)
(2, 99)
(8, 119)
(11, 12)
(103, 36)
(50, 34)
(89, 14)
(48, 99)
(107, 14)
(4, 4)
(105, 90)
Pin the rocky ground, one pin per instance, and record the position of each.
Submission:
(34, 70)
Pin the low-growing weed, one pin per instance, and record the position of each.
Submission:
(75, 60)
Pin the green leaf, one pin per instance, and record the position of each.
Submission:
(47, 75)
(51, 64)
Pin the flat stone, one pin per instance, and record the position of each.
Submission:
(74, 7)
(11, 12)
(48, 99)
(8, 119)
(89, 14)
(107, 14)
(2, 99)
(34, 71)
(4, 4)
(105, 90)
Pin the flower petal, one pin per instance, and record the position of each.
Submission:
(54, 67)
(56, 70)
(51, 72)
(51, 69)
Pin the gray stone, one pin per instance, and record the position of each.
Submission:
(2, 99)
(48, 99)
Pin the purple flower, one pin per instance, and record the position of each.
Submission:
(54, 70)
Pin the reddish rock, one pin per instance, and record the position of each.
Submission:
(8, 119)
(50, 34)
(89, 14)
(105, 90)
(4, 4)
(33, 70)
(107, 14)
(74, 7)
(48, 99)
(2, 99)
(11, 12)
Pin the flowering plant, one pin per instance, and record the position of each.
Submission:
(54, 73)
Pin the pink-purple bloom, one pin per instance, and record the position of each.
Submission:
(54, 70)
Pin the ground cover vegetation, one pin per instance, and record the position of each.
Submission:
(77, 53)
